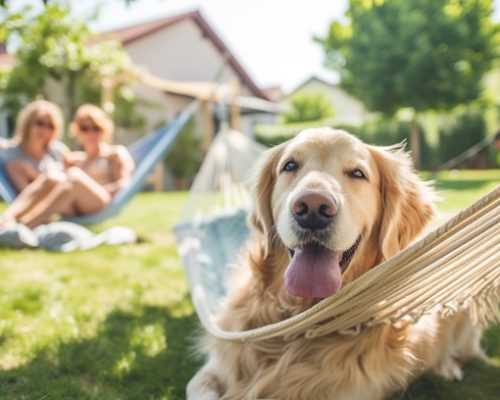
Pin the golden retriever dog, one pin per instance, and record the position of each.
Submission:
(327, 209)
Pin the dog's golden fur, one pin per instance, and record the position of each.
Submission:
(387, 209)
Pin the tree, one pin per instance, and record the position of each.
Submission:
(422, 54)
(308, 106)
(55, 51)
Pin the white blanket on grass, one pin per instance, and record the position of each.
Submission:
(63, 236)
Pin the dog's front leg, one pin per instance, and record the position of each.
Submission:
(207, 384)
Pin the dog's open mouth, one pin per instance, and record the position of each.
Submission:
(316, 271)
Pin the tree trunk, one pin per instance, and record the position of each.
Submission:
(415, 141)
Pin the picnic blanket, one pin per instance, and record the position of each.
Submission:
(63, 236)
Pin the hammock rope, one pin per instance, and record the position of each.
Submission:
(453, 268)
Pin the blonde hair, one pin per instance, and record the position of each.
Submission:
(34, 110)
(97, 116)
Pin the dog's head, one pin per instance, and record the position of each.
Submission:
(339, 206)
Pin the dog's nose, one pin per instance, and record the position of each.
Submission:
(314, 210)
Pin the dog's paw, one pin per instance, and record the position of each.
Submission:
(450, 369)
(203, 386)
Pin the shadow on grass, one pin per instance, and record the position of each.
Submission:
(114, 364)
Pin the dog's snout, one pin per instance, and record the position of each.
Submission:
(314, 210)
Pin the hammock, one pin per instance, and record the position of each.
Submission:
(7, 190)
(146, 152)
(453, 268)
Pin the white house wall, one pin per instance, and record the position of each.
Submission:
(346, 108)
(179, 52)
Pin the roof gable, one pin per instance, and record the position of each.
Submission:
(133, 33)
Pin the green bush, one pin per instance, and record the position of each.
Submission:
(460, 131)
(381, 131)
(271, 135)
(308, 106)
(390, 131)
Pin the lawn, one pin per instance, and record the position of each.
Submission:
(117, 322)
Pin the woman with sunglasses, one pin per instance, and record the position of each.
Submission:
(34, 159)
(35, 149)
(91, 179)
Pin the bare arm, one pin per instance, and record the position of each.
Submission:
(73, 159)
(122, 166)
(20, 173)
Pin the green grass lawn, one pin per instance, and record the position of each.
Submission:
(117, 322)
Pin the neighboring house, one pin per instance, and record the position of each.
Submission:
(185, 48)
(347, 109)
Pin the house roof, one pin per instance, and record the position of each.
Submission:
(133, 33)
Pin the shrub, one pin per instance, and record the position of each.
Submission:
(389, 131)
(308, 106)
(271, 135)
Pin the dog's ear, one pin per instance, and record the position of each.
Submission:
(407, 201)
(261, 216)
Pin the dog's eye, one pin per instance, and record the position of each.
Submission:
(290, 166)
(356, 174)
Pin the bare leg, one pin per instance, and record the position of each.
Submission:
(20, 173)
(32, 195)
(89, 196)
(79, 194)
(58, 200)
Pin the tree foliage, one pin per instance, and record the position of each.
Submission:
(55, 50)
(423, 54)
(308, 106)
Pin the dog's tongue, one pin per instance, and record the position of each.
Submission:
(314, 271)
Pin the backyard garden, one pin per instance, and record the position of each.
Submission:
(117, 322)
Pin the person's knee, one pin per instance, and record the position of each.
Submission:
(53, 177)
(63, 186)
(75, 174)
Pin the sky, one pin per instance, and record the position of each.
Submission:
(272, 39)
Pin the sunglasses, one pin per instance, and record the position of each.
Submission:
(89, 128)
(44, 124)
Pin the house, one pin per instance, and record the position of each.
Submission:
(347, 109)
(185, 48)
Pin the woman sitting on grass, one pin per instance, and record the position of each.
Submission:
(91, 179)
